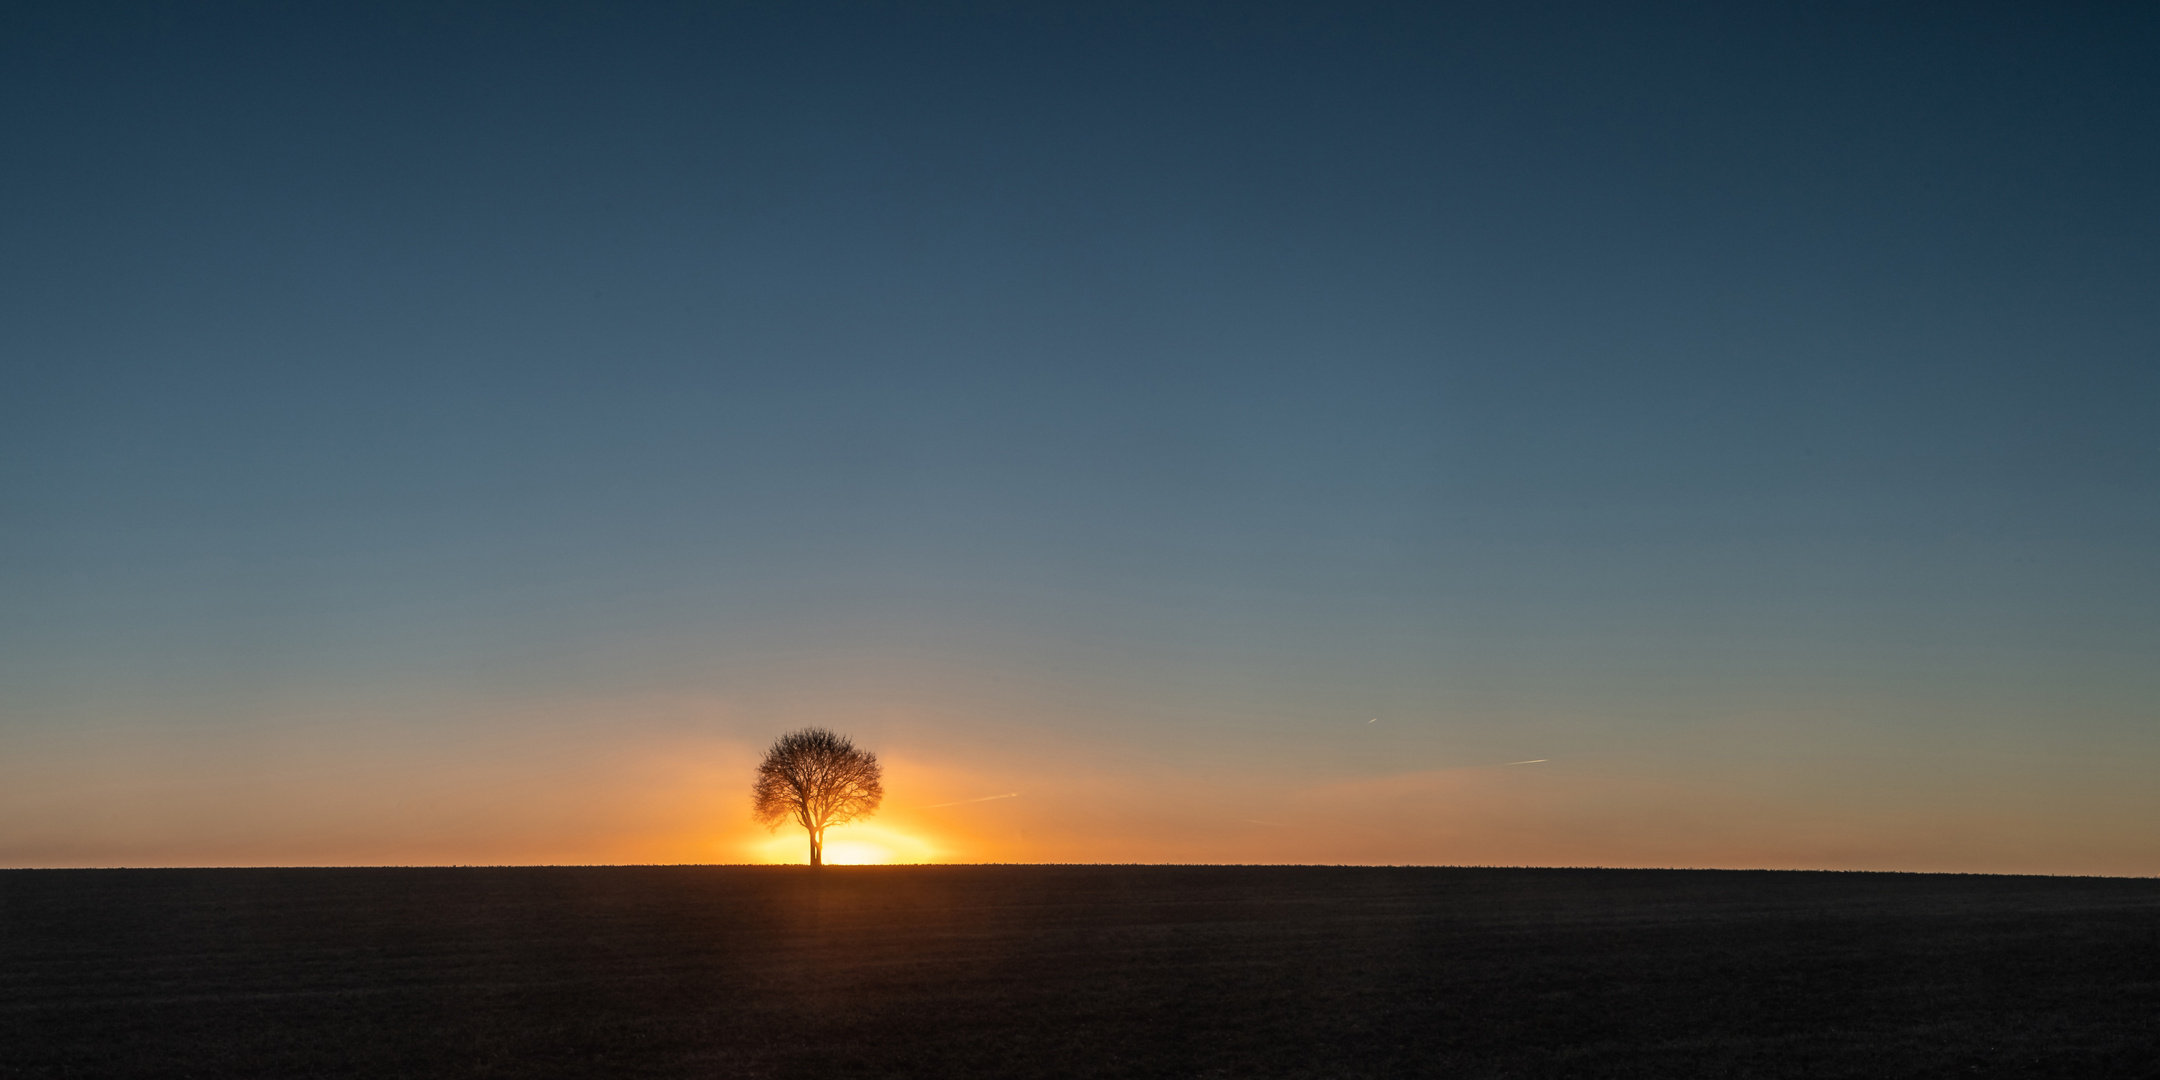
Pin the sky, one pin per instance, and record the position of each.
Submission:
(1512, 434)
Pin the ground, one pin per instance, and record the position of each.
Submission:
(1073, 971)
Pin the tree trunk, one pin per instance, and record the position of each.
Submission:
(817, 849)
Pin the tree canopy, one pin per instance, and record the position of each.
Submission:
(818, 778)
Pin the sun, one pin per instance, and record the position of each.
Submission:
(856, 853)
(859, 844)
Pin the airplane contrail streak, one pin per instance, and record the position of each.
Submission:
(964, 802)
(1532, 761)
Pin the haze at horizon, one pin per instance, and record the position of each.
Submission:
(468, 435)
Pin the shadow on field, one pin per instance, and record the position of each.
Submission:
(1073, 971)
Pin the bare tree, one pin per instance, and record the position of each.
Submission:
(818, 778)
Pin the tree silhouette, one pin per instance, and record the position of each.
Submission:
(818, 778)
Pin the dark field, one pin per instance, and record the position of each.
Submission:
(1073, 971)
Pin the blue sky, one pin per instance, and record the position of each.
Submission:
(1054, 395)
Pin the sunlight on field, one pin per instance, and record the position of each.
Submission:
(851, 845)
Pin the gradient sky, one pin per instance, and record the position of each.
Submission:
(468, 434)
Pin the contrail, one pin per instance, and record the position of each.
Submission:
(1532, 761)
(964, 802)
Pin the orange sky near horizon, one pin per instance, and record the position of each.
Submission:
(569, 789)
